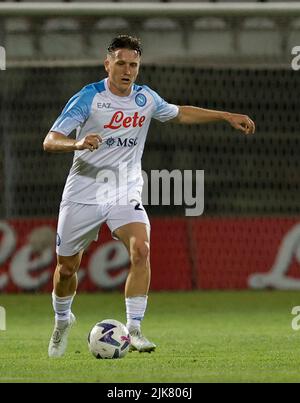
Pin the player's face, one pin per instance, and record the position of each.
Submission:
(122, 68)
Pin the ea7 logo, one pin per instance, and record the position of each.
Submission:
(296, 320)
(296, 60)
(103, 105)
(2, 58)
(2, 318)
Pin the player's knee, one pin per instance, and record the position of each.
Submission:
(140, 251)
(67, 270)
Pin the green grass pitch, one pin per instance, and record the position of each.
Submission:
(201, 337)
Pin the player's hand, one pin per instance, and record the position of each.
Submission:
(90, 142)
(241, 122)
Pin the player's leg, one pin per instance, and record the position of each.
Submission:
(136, 238)
(64, 289)
(65, 275)
(78, 226)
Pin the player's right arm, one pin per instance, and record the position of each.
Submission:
(58, 143)
(74, 115)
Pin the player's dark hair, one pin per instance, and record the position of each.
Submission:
(125, 42)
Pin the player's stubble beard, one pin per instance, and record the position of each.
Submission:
(125, 90)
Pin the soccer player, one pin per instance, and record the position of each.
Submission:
(111, 118)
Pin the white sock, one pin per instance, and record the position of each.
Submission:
(62, 309)
(135, 310)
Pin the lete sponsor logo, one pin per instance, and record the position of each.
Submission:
(119, 120)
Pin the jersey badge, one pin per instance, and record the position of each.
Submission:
(140, 100)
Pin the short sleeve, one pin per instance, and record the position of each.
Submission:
(75, 113)
(163, 110)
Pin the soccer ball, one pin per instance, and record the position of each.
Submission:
(109, 339)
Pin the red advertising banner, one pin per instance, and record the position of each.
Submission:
(27, 257)
(185, 254)
(244, 253)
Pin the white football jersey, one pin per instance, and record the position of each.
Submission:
(123, 123)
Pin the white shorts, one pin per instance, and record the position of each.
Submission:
(79, 224)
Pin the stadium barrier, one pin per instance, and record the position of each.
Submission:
(197, 254)
(255, 33)
(150, 9)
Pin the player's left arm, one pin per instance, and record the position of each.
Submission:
(194, 115)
